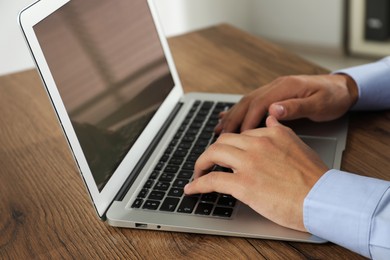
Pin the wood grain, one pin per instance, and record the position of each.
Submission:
(44, 208)
(225, 59)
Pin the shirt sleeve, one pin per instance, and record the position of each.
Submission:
(373, 81)
(352, 211)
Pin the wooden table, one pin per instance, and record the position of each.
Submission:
(44, 208)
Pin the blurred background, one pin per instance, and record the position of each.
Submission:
(332, 33)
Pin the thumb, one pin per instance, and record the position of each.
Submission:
(272, 121)
(291, 109)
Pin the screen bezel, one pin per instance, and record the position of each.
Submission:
(35, 13)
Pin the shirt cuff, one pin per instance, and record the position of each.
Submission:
(373, 81)
(340, 207)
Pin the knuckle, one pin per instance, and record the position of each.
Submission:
(198, 162)
(277, 130)
(247, 132)
(214, 180)
(263, 141)
(291, 79)
(281, 131)
(245, 100)
(213, 147)
(284, 79)
(280, 79)
(223, 138)
(257, 106)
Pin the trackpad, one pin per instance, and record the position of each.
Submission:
(324, 146)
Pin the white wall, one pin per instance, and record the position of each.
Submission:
(305, 22)
(179, 16)
(14, 55)
(318, 23)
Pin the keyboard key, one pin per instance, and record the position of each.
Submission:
(154, 175)
(223, 212)
(188, 166)
(173, 142)
(186, 121)
(198, 150)
(166, 177)
(176, 161)
(148, 184)
(162, 186)
(192, 158)
(215, 114)
(151, 204)
(202, 143)
(180, 183)
(227, 201)
(207, 105)
(178, 134)
(143, 193)
(205, 135)
(156, 195)
(212, 122)
(185, 175)
(159, 166)
(164, 158)
(170, 204)
(182, 128)
(137, 203)
(203, 112)
(171, 168)
(188, 139)
(187, 205)
(204, 209)
(195, 125)
(199, 119)
(168, 151)
(192, 132)
(176, 192)
(180, 153)
(209, 197)
(185, 146)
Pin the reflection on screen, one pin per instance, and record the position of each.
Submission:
(110, 69)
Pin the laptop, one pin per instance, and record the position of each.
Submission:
(134, 134)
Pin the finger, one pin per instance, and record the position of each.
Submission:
(217, 154)
(253, 117)
(293, 108)
(219, 127)
(222, 114)
(233, 118)
(221, 182)
(277, 110)
(236, 140)
(272, 122)
(277, 90)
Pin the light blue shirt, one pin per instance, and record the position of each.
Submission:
(347, 209)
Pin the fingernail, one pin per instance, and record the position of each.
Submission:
(186, 188)
(279, 110)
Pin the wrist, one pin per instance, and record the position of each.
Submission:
(352, 88)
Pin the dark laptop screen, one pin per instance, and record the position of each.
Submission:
(110, 70)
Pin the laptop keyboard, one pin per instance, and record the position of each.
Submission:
(163, 190)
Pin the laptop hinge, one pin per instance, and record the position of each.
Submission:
(139, 166)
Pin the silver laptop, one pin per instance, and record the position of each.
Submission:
(135, 136)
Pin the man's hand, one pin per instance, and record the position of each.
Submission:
(273, 171)
(319, 98)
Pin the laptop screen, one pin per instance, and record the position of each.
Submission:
(109, 66)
